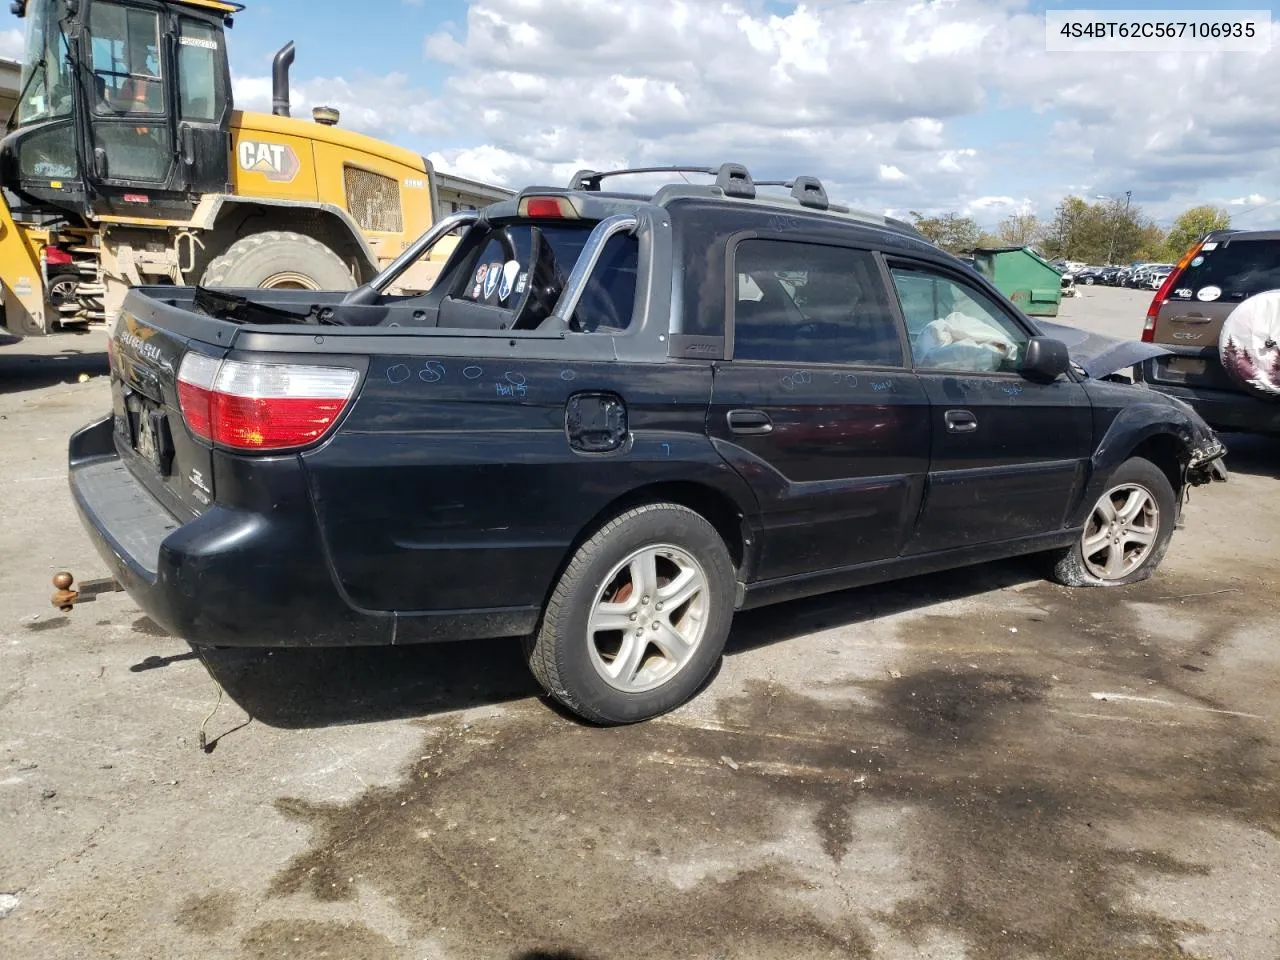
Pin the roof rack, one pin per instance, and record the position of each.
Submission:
(807, 191)
(732, 178)
(590, 179)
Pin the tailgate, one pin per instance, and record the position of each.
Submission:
(1220, 276)
(1190, 324)
(146, 347)
(1191, 329)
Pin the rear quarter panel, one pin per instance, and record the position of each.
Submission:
(451, 484)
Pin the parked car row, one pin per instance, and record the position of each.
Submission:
(1141, 276)
(1145, 276)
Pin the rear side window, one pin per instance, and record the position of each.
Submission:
(811, 303)
(1233, 272)
(516, 254)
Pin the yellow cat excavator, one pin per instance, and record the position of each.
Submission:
(125, 163)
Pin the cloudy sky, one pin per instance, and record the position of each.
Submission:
(899, 105)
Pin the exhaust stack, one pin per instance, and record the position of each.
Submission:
(280, 80)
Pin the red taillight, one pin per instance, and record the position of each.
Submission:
(56, 256)
(1153, 311)
(261, 406)
(195, 393)
(555, 208)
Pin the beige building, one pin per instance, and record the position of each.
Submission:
(454, 193)
(10, 72)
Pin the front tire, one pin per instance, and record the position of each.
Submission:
(1126, 533)
(639, 617)
(278, 259)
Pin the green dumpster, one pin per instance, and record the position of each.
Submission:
(1022, 275)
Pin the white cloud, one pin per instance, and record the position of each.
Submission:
(11, 43)
(989, 203)
(387, 107)
(871, 96)
(1252, 200)
(997, 207)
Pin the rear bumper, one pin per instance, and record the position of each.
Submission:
(238, 578)
(1224, 410)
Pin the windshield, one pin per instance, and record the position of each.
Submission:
(46, 73)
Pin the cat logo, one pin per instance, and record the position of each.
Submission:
(275, 161)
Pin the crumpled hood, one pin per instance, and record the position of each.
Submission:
(1099, 355)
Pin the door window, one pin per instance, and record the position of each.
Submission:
(810, 303)
(125, 51)
(198, 72)
(953, 326)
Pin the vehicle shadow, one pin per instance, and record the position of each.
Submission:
(297, 688)
(303, 688)
(24, 369)
(1251, 454)
(785, 621)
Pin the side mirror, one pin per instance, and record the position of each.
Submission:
(1046, 359)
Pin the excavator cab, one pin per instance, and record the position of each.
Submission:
(123, 108)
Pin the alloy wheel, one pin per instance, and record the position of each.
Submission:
(1121, 532)
(648, 618)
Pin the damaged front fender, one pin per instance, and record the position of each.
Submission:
(1147, 416)
(1206, 464)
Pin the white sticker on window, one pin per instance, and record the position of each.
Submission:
(198, 42)
(1209, 293)
(509, 271)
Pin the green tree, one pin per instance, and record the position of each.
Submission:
(1150, 247)
(1072, 230)
(950, 231)
(1192, 225)
(1107, 231)
(1019, 230)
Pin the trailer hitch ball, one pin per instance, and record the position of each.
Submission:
(64, 597)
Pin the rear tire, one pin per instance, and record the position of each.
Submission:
(279, 259)
(653, 556)
(1126, 533)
